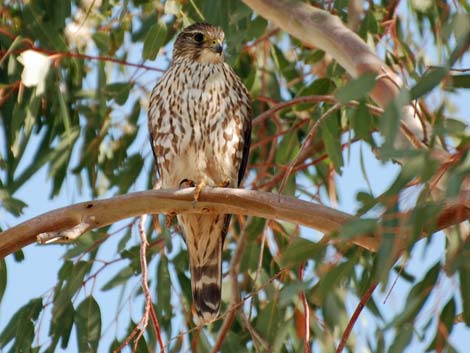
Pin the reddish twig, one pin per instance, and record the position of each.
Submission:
(148, 309)
(156, 325)
(307, 348)
(365, 298)
(12, 89)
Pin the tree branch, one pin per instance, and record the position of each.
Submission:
(320, 29)
(99, 213)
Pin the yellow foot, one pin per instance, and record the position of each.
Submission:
(197, 191)
(224, 184)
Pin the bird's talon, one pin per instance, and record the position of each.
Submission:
(197, 191)
(169, 219)
(224, 184)
(186, 183)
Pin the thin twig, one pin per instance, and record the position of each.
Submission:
(149, 310)
(307, 348)
(365, 298)
(312, 133)
(258, 267)
(374, 110)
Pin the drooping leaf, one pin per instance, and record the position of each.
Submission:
(164, 287)
(357, 228)
(3, 278)
(331, 134)
(464, 277)
(429, 80)
(88, 324)
(356, 89)
(20, 328)
(299, 251)
(154, 40)
(121, 277)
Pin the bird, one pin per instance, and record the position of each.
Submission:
(199, 121)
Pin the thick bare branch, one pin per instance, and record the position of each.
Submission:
(99, 213)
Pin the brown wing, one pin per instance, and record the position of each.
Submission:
(243, 164)
(153, 152)
(246, 150)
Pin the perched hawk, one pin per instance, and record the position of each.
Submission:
(200, 124)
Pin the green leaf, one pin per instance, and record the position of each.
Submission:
(60, 11)
(284, 66)
(417, 297)
(320, 86)
(356, 89)
(121, 277)
(12, 205)
(233, 343)
(75, 281)
(458, 81)
(446, 319)
(299, 251)
(334, 278)
(292, 290)
(389, 123)
(362, 122)
(357, 228)
(402, 339)
(3, 278)
(126, 176)
(287, 150)
(331, 134)
(88, 324)
(154, 40)
(63, 314)
(119, 91)
(102, 41)
(383, 259)
(464, 277)
(430, 79)
(20, 328)
(269, 320)
(164, 287)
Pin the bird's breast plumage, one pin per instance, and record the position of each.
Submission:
(197, 118)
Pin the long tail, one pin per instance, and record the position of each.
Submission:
(206, 282)
(204, 235)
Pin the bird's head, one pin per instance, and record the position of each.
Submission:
(200, 42)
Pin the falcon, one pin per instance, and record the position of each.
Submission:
(199, 121)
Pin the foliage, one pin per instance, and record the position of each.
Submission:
(73, 94)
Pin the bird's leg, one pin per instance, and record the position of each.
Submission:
(187, 183)
(169, 219)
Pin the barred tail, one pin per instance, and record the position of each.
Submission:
(206, 281)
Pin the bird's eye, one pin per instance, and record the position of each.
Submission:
(199, 37)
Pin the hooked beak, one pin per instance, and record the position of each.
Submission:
(217, 46)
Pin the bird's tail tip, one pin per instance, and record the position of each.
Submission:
(206, 294)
